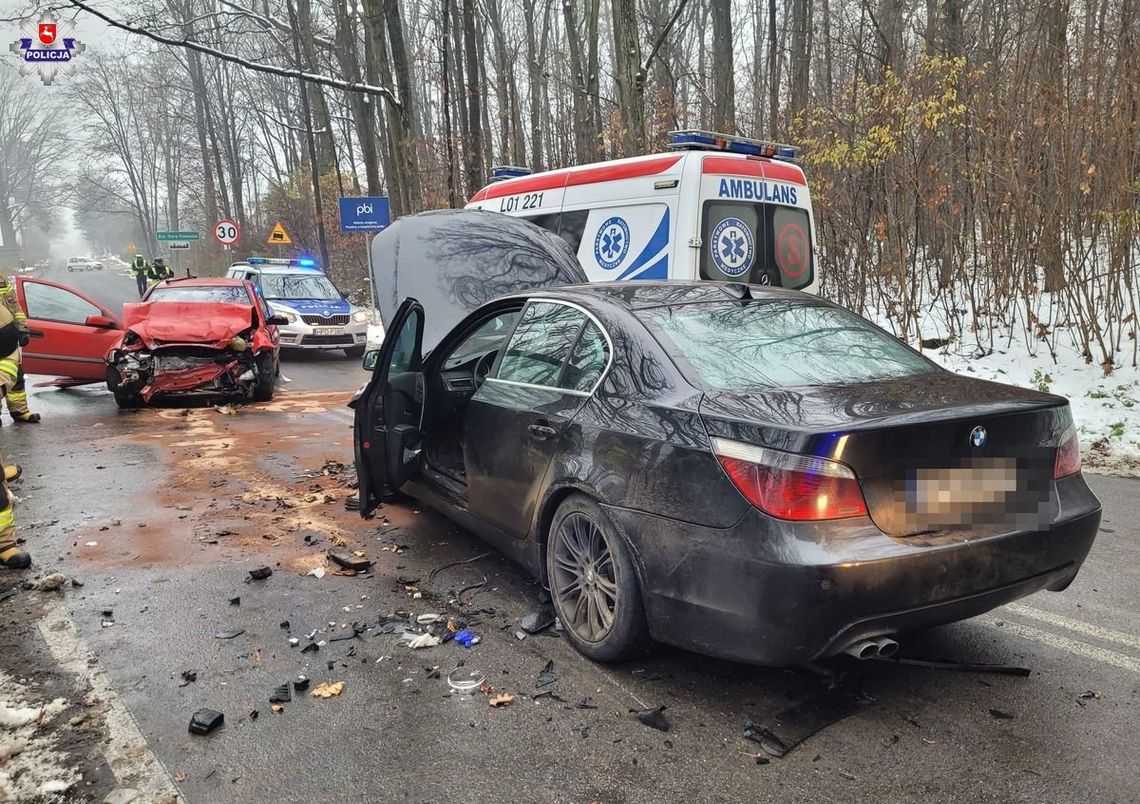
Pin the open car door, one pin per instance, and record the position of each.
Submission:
(388, 412)
(69, 333)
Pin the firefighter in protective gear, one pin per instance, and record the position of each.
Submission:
(16, 396)
(141, 270)
(12, 556)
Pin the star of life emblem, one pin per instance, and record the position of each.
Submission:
(47, 48)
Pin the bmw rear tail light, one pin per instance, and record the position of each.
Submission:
(788, 486)
(1068, 460)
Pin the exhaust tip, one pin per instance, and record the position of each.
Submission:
(863, 650)
(887, 647)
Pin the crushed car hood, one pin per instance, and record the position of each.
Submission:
(213, 324)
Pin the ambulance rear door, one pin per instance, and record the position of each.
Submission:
(755, 223)
(621, 217)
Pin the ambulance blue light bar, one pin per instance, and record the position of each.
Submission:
(501, 172)
(697, 140)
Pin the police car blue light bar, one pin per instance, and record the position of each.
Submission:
(300, 262)
(697, 140)
(500, 172)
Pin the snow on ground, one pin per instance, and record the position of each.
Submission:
(31, 767)
(1106, 409)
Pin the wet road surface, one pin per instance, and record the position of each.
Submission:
(162, 513)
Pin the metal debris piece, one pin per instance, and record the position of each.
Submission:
(205, 721)
(653, 718)
(788, 728)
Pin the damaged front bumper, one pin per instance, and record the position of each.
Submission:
(186, 371)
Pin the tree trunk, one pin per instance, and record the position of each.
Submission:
(629, 77)
(724, 89)
(474, 142)
(801, 55)
(362, 116)
(773, 74)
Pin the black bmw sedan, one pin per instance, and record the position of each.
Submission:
(746, 472)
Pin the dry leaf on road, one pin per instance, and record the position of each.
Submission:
(504, 699)
(328, 690)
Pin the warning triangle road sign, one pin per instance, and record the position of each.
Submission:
(279, 237)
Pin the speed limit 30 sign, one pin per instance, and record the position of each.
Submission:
(227, 232)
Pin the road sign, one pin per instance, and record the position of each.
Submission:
(227, 232)
(180, 237)
(175, 246)
(364, 214)
(131, 247)
(279, 237)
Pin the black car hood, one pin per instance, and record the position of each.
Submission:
(453, 261)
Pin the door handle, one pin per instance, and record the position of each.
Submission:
(541, 432)
(35, 333)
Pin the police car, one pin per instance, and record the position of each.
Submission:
(715, 207)
(319, 315)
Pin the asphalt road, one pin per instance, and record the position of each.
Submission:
(162, 513)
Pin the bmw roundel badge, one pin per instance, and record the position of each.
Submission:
(978, 436)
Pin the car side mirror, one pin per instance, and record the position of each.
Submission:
(277, 321)
(371, 358)
(100, 321)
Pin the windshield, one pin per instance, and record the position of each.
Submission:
(298, 286)
(769, 344)
(228, 294)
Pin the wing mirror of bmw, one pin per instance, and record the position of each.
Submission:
(100, 321)
(371, 358)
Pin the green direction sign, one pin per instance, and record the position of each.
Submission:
(164, 237)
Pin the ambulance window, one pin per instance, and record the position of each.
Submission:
(572, 227)
(547, 222)
(764, 244)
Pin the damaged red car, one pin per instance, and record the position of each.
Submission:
(213, 338)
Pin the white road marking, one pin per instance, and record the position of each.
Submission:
(285, 379)
(1102, 655)
(126, 750)
(1081, 627)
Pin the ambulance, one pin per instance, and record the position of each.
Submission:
(714, 207)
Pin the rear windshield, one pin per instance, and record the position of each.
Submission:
(732, 346)
(229, 294)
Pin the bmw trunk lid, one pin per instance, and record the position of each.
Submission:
(933, 453)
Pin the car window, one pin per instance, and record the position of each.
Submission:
(227, 294)
(587, 361)
(50, 303)
(773, 343)
(489, 336)
(298, 286)
(540, 344)
(404, 351)
(760, 244)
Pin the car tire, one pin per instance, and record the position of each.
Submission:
(267, 372)
(124, 399)
(354, 352)
(605, 565)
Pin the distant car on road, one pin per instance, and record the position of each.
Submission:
(211, 338)
(80, 264)
(318, 314)
(739, 470)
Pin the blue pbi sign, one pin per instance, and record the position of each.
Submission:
(364, 214)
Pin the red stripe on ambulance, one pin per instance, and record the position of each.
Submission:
(572, 178)
(759, 168)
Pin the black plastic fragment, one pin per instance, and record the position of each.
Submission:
(790, 727)
(538, 620)
(285, 625)
(281, 695)
(260, 574)
(301, 683)
(963, 667)
(205, 721)
(546, 676)
(312, 647)
(998, 714)
(235, 601)
(349, 561)
(653, 718)
(188, 677)
(229, 634)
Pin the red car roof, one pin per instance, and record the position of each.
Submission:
(208, 282)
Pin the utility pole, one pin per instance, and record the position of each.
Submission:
(311, 142)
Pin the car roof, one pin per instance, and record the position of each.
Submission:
(640, 294)
(207, 282)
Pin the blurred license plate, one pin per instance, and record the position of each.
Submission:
(328, 331)
(938, 490)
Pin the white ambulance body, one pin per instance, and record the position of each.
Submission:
(717, 207)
